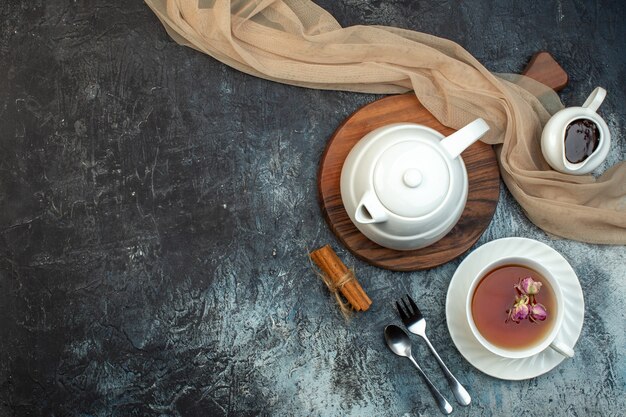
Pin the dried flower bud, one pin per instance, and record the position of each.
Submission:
(528, 286)
(520, 309)
(538, 312)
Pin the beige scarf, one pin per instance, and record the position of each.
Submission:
(297, 42)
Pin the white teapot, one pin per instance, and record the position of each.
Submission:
(405, 185)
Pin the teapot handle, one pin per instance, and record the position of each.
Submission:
(464, 137)
(370, 210)
(595, 99)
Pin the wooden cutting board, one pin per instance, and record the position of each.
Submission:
(480, 161)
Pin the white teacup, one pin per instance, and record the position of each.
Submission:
(550, 340)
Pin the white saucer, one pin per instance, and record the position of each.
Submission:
(466, 343)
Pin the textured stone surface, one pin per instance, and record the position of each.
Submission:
(156, 209)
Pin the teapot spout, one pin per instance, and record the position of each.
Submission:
(370, 210)
(464, 137)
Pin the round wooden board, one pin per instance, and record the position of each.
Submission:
(484, 188)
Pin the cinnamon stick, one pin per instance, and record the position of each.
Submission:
(341, 278)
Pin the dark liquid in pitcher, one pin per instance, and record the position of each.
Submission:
(581, 140)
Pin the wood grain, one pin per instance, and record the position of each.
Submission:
(544, 68)
(480, 161)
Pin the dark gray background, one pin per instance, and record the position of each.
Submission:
(157, 207)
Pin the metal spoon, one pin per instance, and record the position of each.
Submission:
(400, 344)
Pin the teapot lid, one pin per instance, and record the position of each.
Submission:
(412, 178)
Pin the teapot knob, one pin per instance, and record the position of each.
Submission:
(370, 210)
(412, 178)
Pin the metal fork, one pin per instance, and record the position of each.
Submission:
(414, 321)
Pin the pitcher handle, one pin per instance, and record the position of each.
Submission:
(595, 99)
(464, 137)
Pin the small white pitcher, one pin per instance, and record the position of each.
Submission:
(553, 136)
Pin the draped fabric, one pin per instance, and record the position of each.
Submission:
(297, 42)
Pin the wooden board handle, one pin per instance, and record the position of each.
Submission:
(544, 68)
